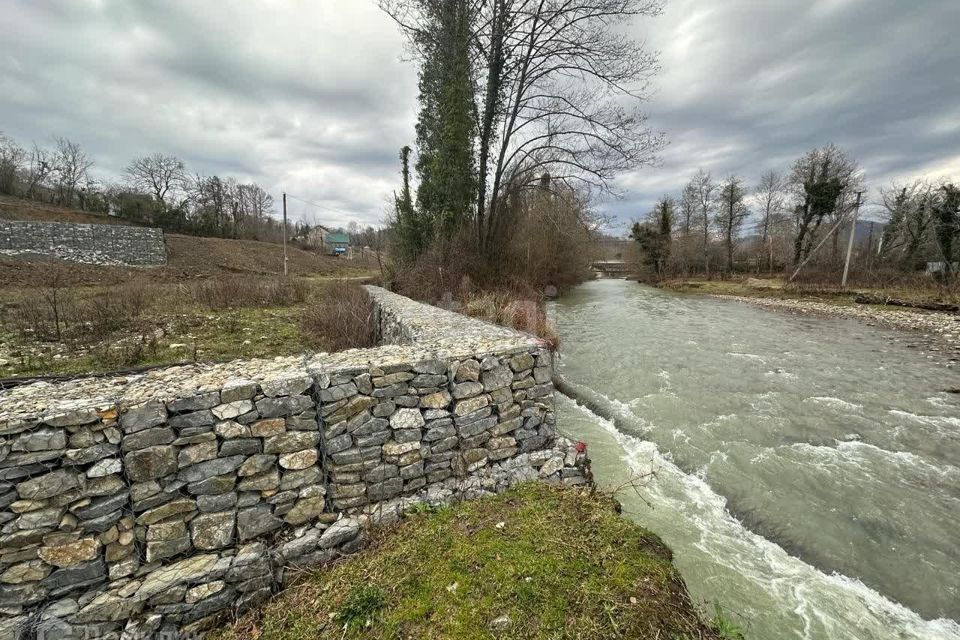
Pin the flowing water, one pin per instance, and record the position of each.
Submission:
(807, 469)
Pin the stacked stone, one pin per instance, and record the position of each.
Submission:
(99, 496)
(392, 430)
(144, 504)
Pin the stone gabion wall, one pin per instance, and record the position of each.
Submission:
(104, 244)
(194, 493)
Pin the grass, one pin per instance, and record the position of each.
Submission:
(534, 562)
(110, 328)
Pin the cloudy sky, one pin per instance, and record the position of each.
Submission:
(313, 97)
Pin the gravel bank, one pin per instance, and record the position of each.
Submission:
(935, 333)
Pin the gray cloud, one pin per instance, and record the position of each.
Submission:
(312, 97)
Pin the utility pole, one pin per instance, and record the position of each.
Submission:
(853, 231)
(284, 233)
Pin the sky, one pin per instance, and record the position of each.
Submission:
(315, 98)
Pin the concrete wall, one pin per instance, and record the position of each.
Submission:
(103, 244)
(157, 502)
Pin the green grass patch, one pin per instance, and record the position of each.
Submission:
(534, 562)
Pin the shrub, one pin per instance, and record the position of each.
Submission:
(341, 317)
(521, 312)
(243, 291)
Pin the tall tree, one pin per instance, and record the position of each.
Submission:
(703, 193)
(560, 84)
(731, 212)
(654, 236)
(411, 234)
(157, 174)
(445, 125)
(71, 164)
(946, 213)
(771, 193)
(12, 157)
(821, 178)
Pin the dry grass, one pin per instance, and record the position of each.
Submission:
(523, 313)
(341, 317)
(234, 292)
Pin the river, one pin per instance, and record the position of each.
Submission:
(807, 470)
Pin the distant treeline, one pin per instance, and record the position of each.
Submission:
(156, 189)
(802, 217)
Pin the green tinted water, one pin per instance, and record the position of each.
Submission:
(808, 469)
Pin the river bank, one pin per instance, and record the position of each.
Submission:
(537, 561)
(936, 334)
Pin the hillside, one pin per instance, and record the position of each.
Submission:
(188, 257)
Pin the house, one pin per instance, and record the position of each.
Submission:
(326, 241)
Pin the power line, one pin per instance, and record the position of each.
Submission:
(320, 206)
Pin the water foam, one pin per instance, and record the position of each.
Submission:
(825, 605)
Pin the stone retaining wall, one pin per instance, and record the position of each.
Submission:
(152, 503)
(104, 244)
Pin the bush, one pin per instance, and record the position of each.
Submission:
(341, 317)
(521, 312)
(243, 291)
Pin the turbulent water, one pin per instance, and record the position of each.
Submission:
(807, 469)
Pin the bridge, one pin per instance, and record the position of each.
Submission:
(610, 267)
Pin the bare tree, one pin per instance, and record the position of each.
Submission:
(12, 157)
(557, 91)
(71, 164)
(42, 165)
(771, 195)
(157, 174)
(731, 212)
(909, 220)
(703, 194)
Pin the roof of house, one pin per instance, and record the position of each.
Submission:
(338, 238)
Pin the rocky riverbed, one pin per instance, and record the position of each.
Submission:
(933, 332)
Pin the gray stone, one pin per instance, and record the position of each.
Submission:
(497, 378)
(467, 390)
(241, 447)
(384, 490)
(195, 403)
(144, 416)
(291, 441)
(48, 485)
(407, 419)
(256, 464)
(256, 521)
(468, 371)
(213, 486)
(210, 468)
(341, 531)
(192, 420)
(215, 530)
(150, 463)
(197, 453)
(148, 438)
(382, 472)
(42, 439)
(283, 406)
(238, 390)
(340, 443)
(90, 454)
(286, 387)
(221, 502)
(102, 506)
